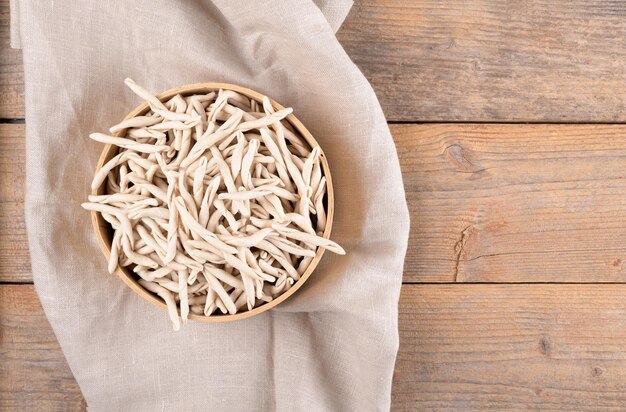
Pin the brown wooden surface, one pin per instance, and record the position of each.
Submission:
(490, 203)
(514, 203)
(464, 61)
(506, 204)
(34, 375)
(14, 258)
(476, 347)
(491, 60)
(11, 71)
(511, 347)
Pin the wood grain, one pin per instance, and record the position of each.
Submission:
(34, 375)
(486, 60)
(514, 203)
(14, 257)
(462, 347)
(488, 203)
(511, 347)
(464, 61)
(11, 71)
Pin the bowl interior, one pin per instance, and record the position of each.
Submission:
(104, 230)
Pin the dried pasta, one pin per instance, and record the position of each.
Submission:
(215, 202)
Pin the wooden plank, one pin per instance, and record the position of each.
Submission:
(462, 347)
(511, 347)
(464, 61)
(34, 375)
(11, 71)
(488, 203)
(515, 203)
(14, 257)
(491, 61)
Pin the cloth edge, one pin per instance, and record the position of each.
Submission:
(335, 11)
(14, 23)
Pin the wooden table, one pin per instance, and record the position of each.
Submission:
(509, 123)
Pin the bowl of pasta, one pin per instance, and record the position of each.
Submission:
(211, 201)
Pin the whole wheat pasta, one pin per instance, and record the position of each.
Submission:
(150, 241)
(167, 297)
(225, 277)
(252, 261)
(135, 257)
(209, 305)
(188, 262)
(107, 169)
(216, 202)
(143, 134)
(169, 284)
(207, 201)
(309, 239)
(221, 293)
(203, 256)
(248, 241)
(125, 224)
(155, 212)
(268, 268)
(135, 122)
(303, 265)
(182, 292)
(300, 221)
(230, 218)
(176, 115)
(280, 257)
(237, 155)
(319, 206)
(209, 139)
(198, 182)
(176, 124)
(290, 247)
(203, 245)
(241, 266)
(119, 197)
(128, 143)
(172, 232)
(156, 274)
(144, 94)
(115, 251)
(278, 191)
(244, 195)
(220, 305)
(196, 228)
(214, 220)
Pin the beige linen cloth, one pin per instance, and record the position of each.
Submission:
(331, 346)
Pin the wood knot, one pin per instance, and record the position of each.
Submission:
(461, 159)
(596, 371)
(544, 346)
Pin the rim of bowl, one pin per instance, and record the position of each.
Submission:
(102, 228)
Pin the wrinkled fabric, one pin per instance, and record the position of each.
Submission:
(331, 346)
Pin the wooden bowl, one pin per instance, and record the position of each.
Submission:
(104, 230)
